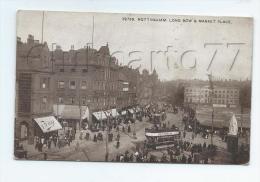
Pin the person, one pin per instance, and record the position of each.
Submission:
(117, 144)
(131, 158)
(87, 136)
(183, 159)
(123, 129)
(95, 138)
(117, 158)
(77, 146)
(59, 143)
(118, 137)
(189, 159)
(106, 157)
(129, 129)
(49, 142)
(81, 135)
(206, 160)
(55, 139)
(44, 149)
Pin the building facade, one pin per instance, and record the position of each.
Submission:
(34, 86)
(86, 77)
(48, 81)
(223, 96)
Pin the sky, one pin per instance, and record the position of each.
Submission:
(177, 47)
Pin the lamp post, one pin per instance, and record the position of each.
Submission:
(212, 114)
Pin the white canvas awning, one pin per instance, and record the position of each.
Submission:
(123, 112)
(48, 124)
(131, 111)
(112, 112)
(100, 115)
(137, 109)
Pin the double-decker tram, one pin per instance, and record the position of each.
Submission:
(161, 138)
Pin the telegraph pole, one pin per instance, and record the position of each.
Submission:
(212, 115)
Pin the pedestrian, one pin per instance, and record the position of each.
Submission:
(77, 146)
(55, 139)
(95, 138)
(117, 144)
(189, 159)
(123, 129)
(129, 129)
(118, 137)
(44, 149)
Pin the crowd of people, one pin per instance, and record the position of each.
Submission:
(181, 152)
(50, 140)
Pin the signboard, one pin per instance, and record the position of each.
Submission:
(48, 124)
(162, 134)
(220, 105)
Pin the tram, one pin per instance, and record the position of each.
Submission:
(161, 138)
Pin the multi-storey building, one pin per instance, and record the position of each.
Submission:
(34, 86)
(148, 87)
(73, 85)
(228, 96)
(86, 77)
(127, 86)
(223, 96)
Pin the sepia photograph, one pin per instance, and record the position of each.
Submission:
(132, 88)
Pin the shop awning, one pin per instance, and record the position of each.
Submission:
(131, 111)
(71, 111)
(112, 112)
(123, 112)
(137, 109)
(100, 115)
(48, 124)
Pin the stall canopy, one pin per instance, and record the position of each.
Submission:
(131, 111)
(112, 112)
(138, 109)
(71, 111)
(100, 115)
(48, 124)
(123, 112)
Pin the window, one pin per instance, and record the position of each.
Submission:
(72, 84)
(44, 99)
(60, 100)
(84, 70)
(61, 70)
(72, 100)
(44, 83)
(84, 101)
(61, 84)
(83, 84)
(73, 70)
